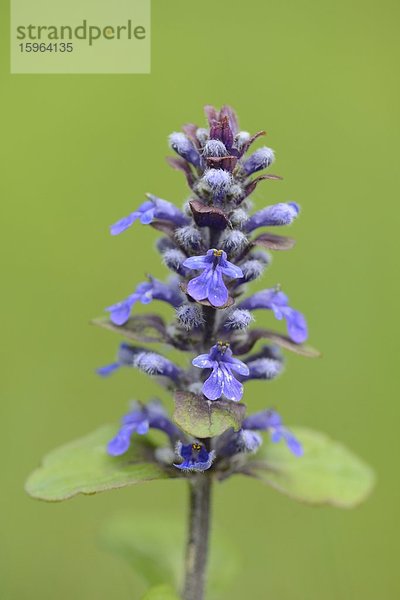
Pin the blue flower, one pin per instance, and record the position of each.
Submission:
(260, 159)
(145, 293)
(283, 213)
(278, 302)
(210, 284)
(150, 363)
(269, 420)
(221, 381)
(139, 420)
(153, 208)
(195, 457)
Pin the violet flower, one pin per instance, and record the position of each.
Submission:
(210, 284)
(221, 380)
(195, 457)
(145, 293)
(139, 420)
(275, 300)
(153, 208)
(149, 362)
(270, 420)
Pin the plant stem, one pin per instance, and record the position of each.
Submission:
(198, 533)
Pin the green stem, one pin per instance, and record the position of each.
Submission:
(198, 534)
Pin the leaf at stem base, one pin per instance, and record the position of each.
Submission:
(84, 467)
(327, 473)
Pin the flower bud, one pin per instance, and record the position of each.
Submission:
(264, 368)
(280, 214)
(163, 244)
(234, 241)
(184, 147)
(218, 181)
(190, 316)
(238, 217)
(260, 159)
(189, 237)
(214, 148)
(173, 259)
(241, 139)
(239, 319)
(252, 269)
(202, 136)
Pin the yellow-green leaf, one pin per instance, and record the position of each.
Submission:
(161, 592)
(84, 467)
(327, 473)
(153, 544)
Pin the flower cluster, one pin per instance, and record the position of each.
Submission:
(214, 248)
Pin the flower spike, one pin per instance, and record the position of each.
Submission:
(210, 247)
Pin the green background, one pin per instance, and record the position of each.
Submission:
(77, 153)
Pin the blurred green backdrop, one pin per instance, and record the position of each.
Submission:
(78, 152)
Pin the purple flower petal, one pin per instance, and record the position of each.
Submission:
(232, 388)
(197, 262)
(198, 287)
(213, 386)
(121, 442)
(203, 362)
(293, 444)
(124, 223)
(119, 313)
(108, 369)
(217, 292)
(232, 270)
(148, 216)
(239, 366)
(296, 325)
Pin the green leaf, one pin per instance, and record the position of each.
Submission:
(141, 328)
(84, 467)
(153, 543)
(327, 473)
(161, 592)
(202, 418)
